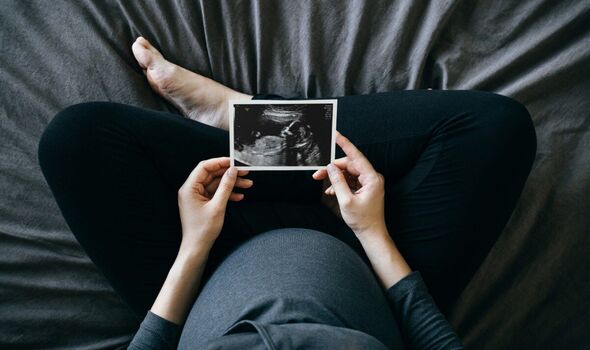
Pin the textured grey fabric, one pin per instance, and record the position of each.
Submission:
(302, 289)
(291, 276)
(57, 53)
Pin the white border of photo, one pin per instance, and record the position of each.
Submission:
(334, 104)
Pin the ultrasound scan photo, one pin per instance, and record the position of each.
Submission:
(266, 135)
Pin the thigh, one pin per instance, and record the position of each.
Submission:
(115, 171)
(455, 163)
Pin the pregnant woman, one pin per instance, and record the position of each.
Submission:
(211, 257)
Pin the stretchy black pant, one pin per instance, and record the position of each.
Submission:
(454, 162)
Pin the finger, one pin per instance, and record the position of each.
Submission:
(201, 172)
(352, 182)
(323, 173)
(214, 164)
(353, 153)
(244, 183)
(339, 184)
(225, 187)
(370, 179)
(218, 173)
(240, 183)
(212, 186)
(320, 174)
(329, 191)
(236, 197)
(348, 147)
(212, 179)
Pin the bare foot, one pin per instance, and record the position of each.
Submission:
(197, 97)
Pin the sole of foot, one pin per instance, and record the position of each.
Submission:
(195, 96)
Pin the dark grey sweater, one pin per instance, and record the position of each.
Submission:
(288, 313)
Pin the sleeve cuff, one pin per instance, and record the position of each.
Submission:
(156, 332)
(411, 282)
(169, 331)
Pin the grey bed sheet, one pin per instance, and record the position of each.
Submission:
(533, 289)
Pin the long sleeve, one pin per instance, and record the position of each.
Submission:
(155, 333)
(422, 325)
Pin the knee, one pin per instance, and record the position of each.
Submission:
(509, 123)
(67, 133)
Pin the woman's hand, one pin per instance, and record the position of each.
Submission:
(202, 200)
(359, 188)
(360, 191)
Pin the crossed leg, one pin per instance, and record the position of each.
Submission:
(455, 163)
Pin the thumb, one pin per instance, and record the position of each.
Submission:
(226, 185)
(339, 184)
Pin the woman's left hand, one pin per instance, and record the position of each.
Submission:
(203, 198)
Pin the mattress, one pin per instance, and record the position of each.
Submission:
(531, 292)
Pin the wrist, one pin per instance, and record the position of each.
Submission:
(181, 284)
(193, 251)
(198, 238)
(376, 233)
(385, 258)
(378, 245)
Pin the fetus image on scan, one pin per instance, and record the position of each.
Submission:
(282, 134)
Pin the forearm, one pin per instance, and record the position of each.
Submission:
(422, 324)
(161, 327)
(181, 284)
(385, 258)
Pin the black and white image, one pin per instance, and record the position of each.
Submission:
(282, 135)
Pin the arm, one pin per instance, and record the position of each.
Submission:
(161, 327)
(360, 191)
(202, 200)
(421, 323)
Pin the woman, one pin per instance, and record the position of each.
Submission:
(218, 260)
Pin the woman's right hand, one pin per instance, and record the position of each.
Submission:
(359, 188)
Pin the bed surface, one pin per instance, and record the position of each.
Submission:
(533, 289)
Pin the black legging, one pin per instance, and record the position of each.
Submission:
(454, 162)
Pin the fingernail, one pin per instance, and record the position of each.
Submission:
(331, 168)
(232, 171)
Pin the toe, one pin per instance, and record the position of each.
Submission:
(161, 74)
(142, 41)
(146, 55)
(143, 56)
(146, 44)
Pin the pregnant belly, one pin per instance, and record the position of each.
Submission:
(292, 275)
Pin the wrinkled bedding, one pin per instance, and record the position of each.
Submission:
(533, 289)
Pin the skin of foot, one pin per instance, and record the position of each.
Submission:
(195, 96)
